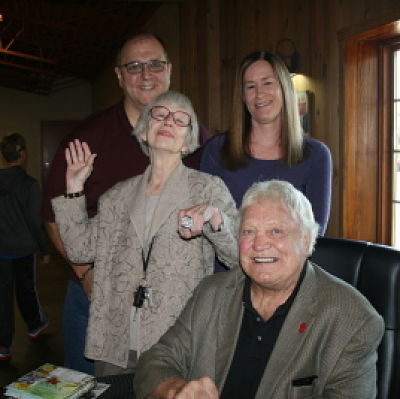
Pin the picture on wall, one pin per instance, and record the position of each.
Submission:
(304, 103)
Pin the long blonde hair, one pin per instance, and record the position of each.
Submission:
(235, 153)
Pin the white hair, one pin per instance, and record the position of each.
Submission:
(292, 199)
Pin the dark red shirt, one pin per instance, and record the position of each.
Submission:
(119, 156)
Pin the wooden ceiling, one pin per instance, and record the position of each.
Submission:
(47, 46)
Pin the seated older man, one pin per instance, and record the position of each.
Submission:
(279, 327)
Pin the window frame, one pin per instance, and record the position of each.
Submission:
(367, 141)
(388, 48)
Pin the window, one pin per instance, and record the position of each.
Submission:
(396, 150)
(370, 205)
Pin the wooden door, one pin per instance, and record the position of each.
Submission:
(52, 133)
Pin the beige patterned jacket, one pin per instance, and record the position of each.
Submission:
(113, 241)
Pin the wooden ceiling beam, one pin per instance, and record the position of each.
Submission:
(86, 16)
(28, 56)
(53, 40)
(27, 68)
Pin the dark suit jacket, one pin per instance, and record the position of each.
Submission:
(331, 331)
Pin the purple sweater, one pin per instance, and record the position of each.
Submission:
(312, 176)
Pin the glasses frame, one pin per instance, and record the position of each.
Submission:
(167, 116)
(142, 65)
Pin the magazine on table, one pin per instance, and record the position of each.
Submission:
(54, 382)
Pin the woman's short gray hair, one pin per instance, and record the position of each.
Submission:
(178, 100)
(292, 199)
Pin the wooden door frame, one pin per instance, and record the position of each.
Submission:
(366, 171)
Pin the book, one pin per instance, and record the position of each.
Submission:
(51, 382)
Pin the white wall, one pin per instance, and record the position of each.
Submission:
(22, 112)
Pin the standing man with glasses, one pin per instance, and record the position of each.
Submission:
(143, 71)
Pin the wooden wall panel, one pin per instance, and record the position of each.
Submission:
(193, 55)
(317, 27)
(213, 104)
(200, 59)
(207, 39)
(229, 21)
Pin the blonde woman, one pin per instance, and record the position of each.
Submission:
(265, 140)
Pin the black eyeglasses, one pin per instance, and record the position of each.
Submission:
(161, 113)
(135, 67)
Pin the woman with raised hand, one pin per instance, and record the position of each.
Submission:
(154, 238)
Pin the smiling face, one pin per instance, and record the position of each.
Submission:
(262, 93)
(141, 88)
(166, 135)
(272, 247)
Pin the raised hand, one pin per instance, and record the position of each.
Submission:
(79, 165)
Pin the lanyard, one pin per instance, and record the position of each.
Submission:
(143, 292)
(146, 258)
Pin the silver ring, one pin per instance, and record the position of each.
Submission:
(186, 222)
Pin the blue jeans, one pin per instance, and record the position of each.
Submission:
(76, 315)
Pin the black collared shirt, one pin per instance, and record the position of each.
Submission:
(254, 347)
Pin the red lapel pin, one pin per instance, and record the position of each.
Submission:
(302, 327)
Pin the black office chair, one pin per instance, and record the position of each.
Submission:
(375, 271)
